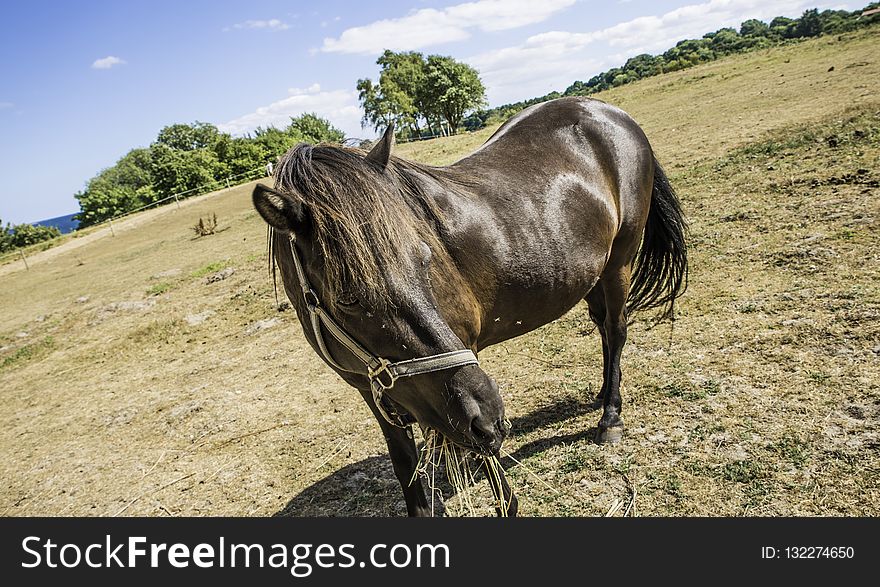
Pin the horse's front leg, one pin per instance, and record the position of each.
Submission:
(404, 459)
(506, 504)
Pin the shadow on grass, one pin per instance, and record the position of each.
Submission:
(369, 487)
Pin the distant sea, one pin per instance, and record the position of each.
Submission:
(63, 223)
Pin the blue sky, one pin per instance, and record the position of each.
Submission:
(81, 83)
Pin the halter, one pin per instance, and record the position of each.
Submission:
(381, 372)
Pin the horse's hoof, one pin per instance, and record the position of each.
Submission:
(610, 435)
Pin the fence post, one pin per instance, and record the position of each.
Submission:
(227, 183)
(20, 252)
(176, 201)
(112, 232)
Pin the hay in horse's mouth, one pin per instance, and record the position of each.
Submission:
(439, 451)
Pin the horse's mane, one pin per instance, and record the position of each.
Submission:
(364, 219)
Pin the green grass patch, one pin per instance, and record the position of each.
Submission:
(745, 471)
(688, 391)
(159, 288)
(28, 352)
(209, 268)
(819, 377)
(793, 449)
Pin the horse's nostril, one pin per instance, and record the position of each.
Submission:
(480, 431)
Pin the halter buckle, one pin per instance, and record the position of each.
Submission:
(376, 374)
(311, 298)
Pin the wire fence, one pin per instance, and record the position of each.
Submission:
(213, 185)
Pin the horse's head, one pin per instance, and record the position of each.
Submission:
(370, 249)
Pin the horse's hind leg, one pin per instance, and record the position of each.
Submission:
(596, 303)
(614, 289)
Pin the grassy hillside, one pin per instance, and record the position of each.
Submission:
(152, 373)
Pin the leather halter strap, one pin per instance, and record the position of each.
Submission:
(382, 373)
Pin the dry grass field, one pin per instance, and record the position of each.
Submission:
(152, 373)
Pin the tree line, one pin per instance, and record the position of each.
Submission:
(190, 159)
(752, 34)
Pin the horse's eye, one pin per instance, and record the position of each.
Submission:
(347, 299)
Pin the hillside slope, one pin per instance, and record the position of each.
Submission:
(151, 373)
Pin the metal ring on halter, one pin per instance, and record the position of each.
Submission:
(314, 302)
(375, 375)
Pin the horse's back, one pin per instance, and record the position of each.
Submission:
(578, 154)
(561, 187)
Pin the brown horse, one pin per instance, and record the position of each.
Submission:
(400, 272)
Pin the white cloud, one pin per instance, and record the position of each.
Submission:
(553, 60)
(107, 62)
(340, 107)
(273, 24)
(429, 26)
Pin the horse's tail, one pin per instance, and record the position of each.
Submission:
(661, 269)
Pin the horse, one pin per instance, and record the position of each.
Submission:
(401, 273)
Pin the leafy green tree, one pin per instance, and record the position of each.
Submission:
(24, 235)
(189, 137)
(240, 155)
(378, 110)
(726, 41)
(176, 171)
(453, 89)
(402, 82)
(308, 128)
(643, 65)
(413, 91)
(782, 27)
(754, 28)
(809, 24)
(312, 128)
(126, 185)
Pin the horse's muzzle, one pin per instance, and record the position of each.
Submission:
(486, 428)
(487, 437)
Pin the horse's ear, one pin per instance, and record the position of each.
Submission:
(381, 151)
(278, 210)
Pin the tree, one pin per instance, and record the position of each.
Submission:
(187, 157)
(754, 28)
(239, 155)
(453, 88)
(399, 96)
(413, 91)
(402, 82)
(809, 24)
(377, 109)
(126, 185)
(176, 171)
(642, 66)
(726, 41)
(782, 27)
(189, 137)
(23, 235)
(312, 128)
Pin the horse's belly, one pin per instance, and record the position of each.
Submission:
(531, 299)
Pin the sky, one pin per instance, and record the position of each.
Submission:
(82, 83)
